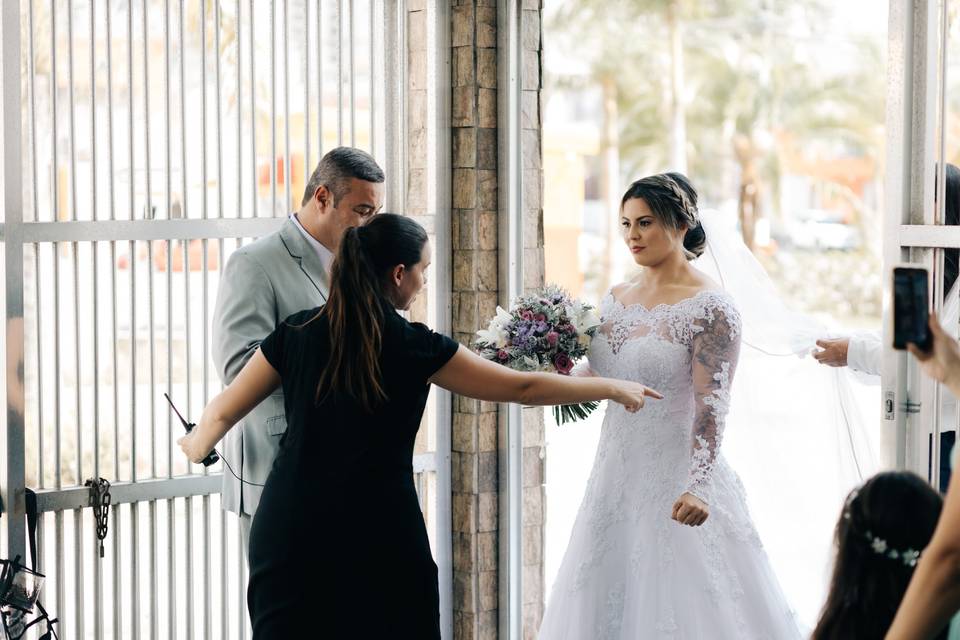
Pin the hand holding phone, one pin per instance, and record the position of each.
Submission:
(212, 457)
(911, 308)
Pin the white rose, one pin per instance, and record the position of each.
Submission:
(494, 335)
(587, 320)
(530, 364)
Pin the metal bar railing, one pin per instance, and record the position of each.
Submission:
(34, 174)
(140, 588)
(188, 520)
(306, 88)
(205, 501)
(73, 249)
(54, 500)
(237, 39)
(287, 175)
(171, 529)
(373, 80)
(319, 81)
(352, 75)
(253, 115)
(97, 568)
(12, 443)
(273, 108)
(219, 110)
(339, 72)
(151, 333)
(115, 589)
(144, 231)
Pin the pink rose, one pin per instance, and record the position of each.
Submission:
(527, 315)
(563, 363)
(540, 317)
(552, 338)
(503, 355)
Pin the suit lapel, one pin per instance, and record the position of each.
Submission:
(306, 257)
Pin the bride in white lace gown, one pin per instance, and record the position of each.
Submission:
(663, 545)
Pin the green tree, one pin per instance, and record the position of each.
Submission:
(711, 87)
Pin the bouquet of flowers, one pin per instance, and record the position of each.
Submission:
(544, 331)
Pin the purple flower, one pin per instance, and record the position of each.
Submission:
(552, 338)
(563, 363)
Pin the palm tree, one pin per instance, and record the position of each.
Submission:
(714, 72)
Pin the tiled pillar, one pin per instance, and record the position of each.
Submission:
(475, 295)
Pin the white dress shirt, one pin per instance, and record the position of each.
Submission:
(865, 351)
(326, 256)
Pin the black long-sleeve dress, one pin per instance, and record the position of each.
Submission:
(338, 547)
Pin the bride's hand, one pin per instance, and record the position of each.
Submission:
(632, 394)
(690, 510)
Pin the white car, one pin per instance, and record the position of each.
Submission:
(821, 229)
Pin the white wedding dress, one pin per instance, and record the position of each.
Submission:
(629, 570)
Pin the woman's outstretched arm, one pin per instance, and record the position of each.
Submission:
(257, 380)
(468, 374)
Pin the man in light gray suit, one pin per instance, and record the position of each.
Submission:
(267, 281)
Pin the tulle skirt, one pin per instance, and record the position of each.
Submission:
(642, 575)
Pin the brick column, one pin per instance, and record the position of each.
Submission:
(475, 295)
(474, 299)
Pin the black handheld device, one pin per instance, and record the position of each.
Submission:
(212, 457)
(911, 308)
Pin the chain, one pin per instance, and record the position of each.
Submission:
(100, 489)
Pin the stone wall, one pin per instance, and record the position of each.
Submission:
(475, 295)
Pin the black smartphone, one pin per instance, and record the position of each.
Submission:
(911, 308)
(212, 457)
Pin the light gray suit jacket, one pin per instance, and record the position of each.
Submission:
(263, 283)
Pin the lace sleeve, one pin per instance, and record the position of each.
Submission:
(716, 348)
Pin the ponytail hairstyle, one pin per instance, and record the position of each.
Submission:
(673, 200)
(356, 304)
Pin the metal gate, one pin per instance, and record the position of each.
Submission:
(144, 141)
(919, 122)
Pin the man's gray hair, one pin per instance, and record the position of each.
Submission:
(336, 169)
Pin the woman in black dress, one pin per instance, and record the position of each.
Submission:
(338, 544)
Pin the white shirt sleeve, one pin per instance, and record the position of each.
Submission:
(865, 352)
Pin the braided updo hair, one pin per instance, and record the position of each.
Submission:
(673, 200)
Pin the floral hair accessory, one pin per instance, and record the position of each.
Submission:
(880, 546)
